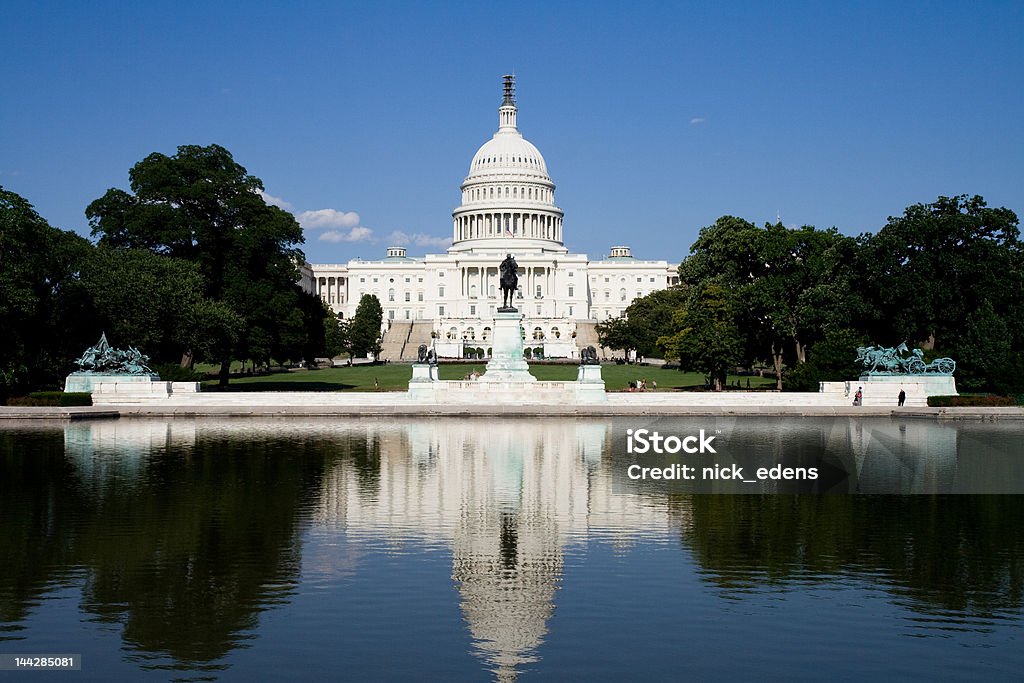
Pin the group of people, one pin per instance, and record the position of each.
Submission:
(471, 376)
(641, 385)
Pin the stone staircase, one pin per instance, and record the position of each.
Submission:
(586, 335)
(419, 334)
(394, 341)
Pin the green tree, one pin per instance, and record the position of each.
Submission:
(706, 336)
(830, 359)
(939, 262)
(201, 206)
(792, 285)
(43, 314)
(364, 330)
(335, 333)
(143, 299)
(617, 333)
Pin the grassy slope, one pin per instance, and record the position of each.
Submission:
(396, 378)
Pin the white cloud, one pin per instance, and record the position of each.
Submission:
(355, 234)
(697, 120)
(337, 226)
(275, 201)
(419, 239)
(328, 219)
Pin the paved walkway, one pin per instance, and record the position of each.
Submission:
(384, 404)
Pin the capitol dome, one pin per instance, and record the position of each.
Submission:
(507, 153)
(508, 198)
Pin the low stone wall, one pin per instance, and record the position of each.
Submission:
(120, 392)
(883, 390)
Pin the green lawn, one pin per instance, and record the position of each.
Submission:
(395, 377)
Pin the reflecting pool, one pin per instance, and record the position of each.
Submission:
(480, 549)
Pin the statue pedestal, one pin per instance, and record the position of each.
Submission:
(83, 382)
(590, 374)
(422, 372)
(507, 363)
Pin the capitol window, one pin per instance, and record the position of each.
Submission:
(570, 291)
(440, 291)
(407, 296)
(391, 295)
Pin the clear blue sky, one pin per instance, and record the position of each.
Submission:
(654, 118)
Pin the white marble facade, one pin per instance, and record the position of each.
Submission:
(508, 207)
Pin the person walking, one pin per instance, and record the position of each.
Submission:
(858, 398)
(902, 398)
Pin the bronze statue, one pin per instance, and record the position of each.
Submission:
(891, 361)
(104, 359)
(509, 283)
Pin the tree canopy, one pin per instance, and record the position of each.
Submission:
(364, 329)
(42, 317)
(201, 206)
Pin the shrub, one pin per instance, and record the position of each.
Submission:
(52, 399)
(172, 372)
(972, 401)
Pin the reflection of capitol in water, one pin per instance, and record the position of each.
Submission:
(512, 499)
(509, 499)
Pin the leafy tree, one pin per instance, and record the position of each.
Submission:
(201, 206)
(335, 333)
(647, 319)
(144, 300)
(364, 330)
(938, 263)
(706, 336)
(43, 316)
(617, 333)
(792, 285)
(830, 359)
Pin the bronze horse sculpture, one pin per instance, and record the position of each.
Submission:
(509, 281)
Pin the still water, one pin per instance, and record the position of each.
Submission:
(501, 549)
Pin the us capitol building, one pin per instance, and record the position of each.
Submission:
(508, 207)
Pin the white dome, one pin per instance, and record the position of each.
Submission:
(508, 152)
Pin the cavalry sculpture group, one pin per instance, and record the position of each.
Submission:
(892, 361)
(106, 360)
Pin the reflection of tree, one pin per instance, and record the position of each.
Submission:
(185, 554)
(944, 552)
(198, 542)
(39, 500)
